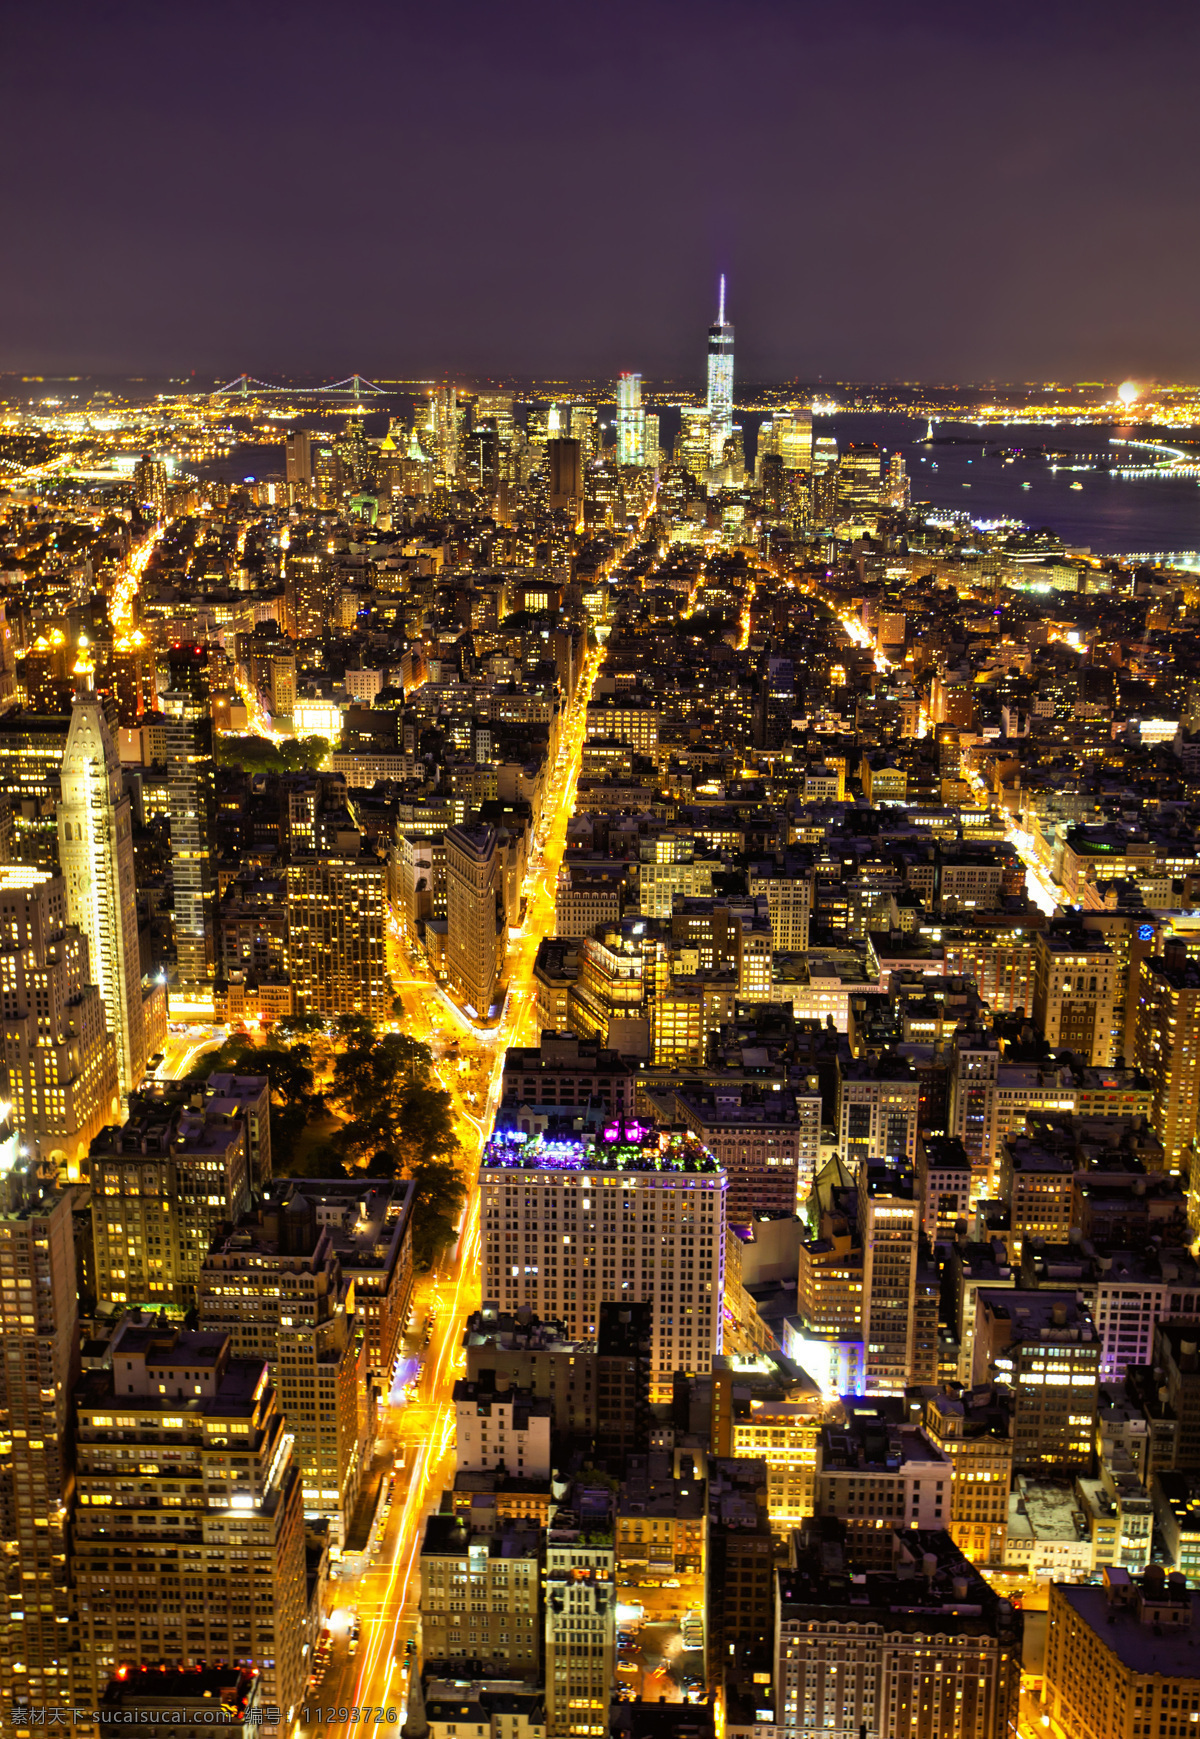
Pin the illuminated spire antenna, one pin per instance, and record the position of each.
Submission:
(721, 303)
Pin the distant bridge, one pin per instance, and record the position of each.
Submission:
(355, 386)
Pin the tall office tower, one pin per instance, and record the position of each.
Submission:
(60, 1060)
(481, 449)
(95, 850)
(442, 427)
(37, 1375)
(1077, 995)
(200, 1556)
(586, 430)
(309, 587)
(889, 1224)
(566, 475)
(825, 453)
(581, 1615)
(631, 421)
(275, 1286)
(335, 911)
(794, 434)
(150, 487)
(299, 458)
(162, 1184)
(1167, 1047)
(896, 489)
(692, 446)
(720, 383)
(651, 451)
(189, 744)
(624, 1213)
(475, 925)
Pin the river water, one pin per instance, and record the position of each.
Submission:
(960, 470)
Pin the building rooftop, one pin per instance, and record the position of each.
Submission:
(1141, 1641)
(615, 1146)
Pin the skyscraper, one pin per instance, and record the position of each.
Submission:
(188, 732)
(95, 848)
(150, 487)
(720, 382)
(335, 907)
(59, 1057)
(889, 1218)
(299, 458)
(1166, 1041)
(220, 1577)
(275, 1286)
(626, 1214)
(162, 1184)
(37, 1375)
(474, 915)
(631, 421)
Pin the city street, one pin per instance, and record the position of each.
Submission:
(419, 1435)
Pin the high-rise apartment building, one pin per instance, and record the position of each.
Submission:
(370, 1224)
(581, 1617)
(275, 1286)
(336, 907)
(626, 1213)
(789, 892)
(38, 1369)
(481, 1596)
(1167, 1047)
(850, 1658)
(189, 1520)
(248, 1097)
(740, 1564)
(1078, 999)
(1121, 1660)
(31, 754)
(150, 487)
(1043, 1346)
(878, 1108)
(189, 744)
(889, 1224)
(631, 421)
(475, 924)
(310, 585)
(95, 848)
(298, 458)
(720, 382)
(162, 1184)
(60, 1060)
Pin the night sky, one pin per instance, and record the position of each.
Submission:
(952, 192)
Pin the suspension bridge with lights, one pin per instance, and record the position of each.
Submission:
(355, 386)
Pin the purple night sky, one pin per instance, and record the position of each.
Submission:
(937, 191)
